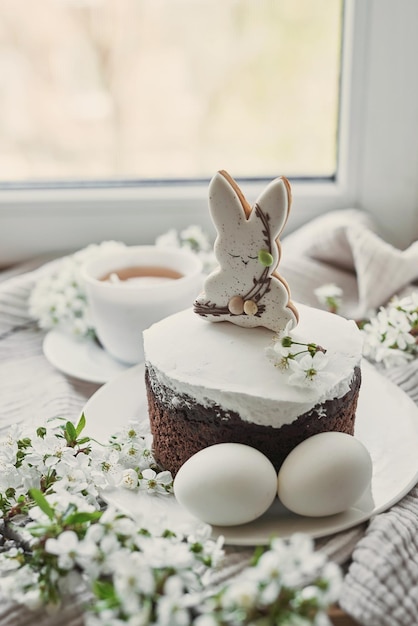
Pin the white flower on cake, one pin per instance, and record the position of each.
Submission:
(280, 354)
(245, 289)
(307, 361)
(309, 369)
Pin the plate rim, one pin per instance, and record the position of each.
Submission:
(80, 344)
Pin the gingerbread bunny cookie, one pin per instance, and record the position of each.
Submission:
(245, 289)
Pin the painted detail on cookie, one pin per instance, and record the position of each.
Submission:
(245, 289)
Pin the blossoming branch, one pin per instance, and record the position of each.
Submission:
(307, 361)
(391, 336)
(60, 539)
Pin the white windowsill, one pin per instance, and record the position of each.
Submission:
(71, 219)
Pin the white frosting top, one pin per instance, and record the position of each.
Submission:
(225, 364)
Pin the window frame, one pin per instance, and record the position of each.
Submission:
(56, 220)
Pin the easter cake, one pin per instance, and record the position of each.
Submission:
(246, 365)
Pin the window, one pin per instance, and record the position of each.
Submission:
(168, 89)
(373, 165)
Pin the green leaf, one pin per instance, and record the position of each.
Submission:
(265, 258)
(258, 552)
(83, 440)
(42, 502)
(81, 517)
(105, 591)
(81, 424)
(70, 432)
(24, 443)
(10, 492)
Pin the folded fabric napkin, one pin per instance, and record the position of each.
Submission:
(344, 247)
(381, 587)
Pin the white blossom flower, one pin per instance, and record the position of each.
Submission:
(242, 593)
(70, 583)
(330, 295)
(268, 575)
(307, 362)
(136, 453)
(309, 369)
(390, 336)
(48, 451)
(123, 526)
(300, 561)
(133, 577)
(22, 587)
(60, 501)
(212, 550)
(8, 445)
(79, 461)
(10, 477)
(159, 552)
(129, 479)
(154, 483)
(65, 547)
(75, 482)
(30, 476)
(279, 355)
(170, 611)
(332, 576)
(195, 240)
(194, 237)
(168, 239)
(112, 469)
(11, 560)
(88, 556)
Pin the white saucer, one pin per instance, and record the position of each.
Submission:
(387, 423)
(80, 357)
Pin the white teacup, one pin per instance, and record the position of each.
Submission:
(131, 289)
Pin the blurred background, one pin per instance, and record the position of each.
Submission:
(140, 89)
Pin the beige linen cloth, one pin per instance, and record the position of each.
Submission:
(343, 247)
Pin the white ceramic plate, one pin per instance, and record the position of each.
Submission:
(80, 357)
(387, 423)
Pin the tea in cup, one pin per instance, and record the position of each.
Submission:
(135, 287)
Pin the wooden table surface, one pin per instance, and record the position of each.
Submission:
(339, 618)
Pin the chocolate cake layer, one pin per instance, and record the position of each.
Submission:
(181, 427)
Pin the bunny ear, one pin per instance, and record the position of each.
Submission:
(226, 201)
(275, 201)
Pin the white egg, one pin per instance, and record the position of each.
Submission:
(226, 484)
(324, 475)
